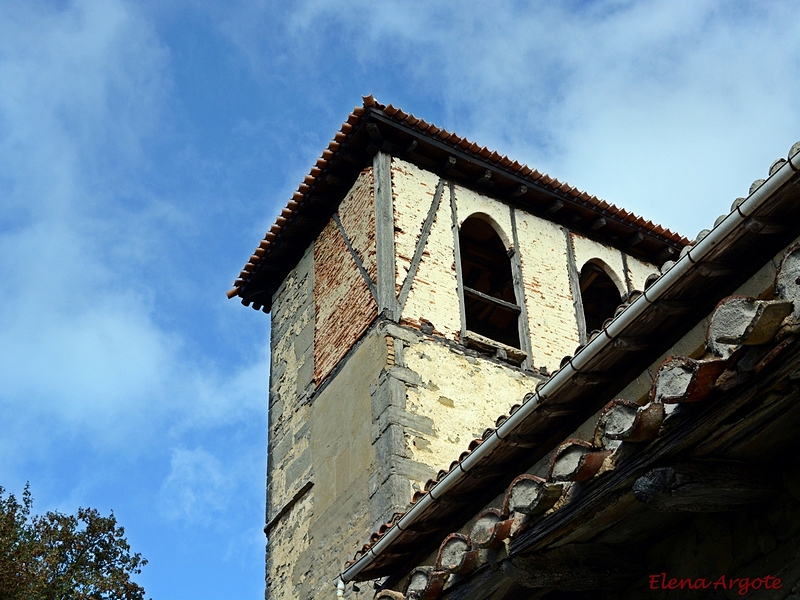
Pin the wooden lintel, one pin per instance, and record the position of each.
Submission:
(715, 269)
(634, 240)
(764, 225)
(706, 487)
(576, 567)
(468, 291)
(598, 224)
(554, 207)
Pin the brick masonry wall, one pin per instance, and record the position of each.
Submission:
(344, 305)
(548, 296)
(469, 203)
(357, 213)
(434, 294)
(635, 275)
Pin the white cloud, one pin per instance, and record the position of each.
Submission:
(83, 86)
(667, 108)
(88, 349)
(197, 487)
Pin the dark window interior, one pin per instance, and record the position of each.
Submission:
(600, 296)
(490, 303)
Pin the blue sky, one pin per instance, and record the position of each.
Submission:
(145, 148)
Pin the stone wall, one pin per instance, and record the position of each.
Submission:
(431, 400)
(288, 451)
(310, 532)
(291, 385)
(460, 393)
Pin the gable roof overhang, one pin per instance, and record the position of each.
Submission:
(374, 128)
(737, 247)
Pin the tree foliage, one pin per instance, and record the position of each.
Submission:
(64, 557)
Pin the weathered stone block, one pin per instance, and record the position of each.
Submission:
(390, 392)
(297, 469)
(280, 449)
(390, 445)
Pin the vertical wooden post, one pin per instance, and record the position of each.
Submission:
(384, 235)
(457, 259)
(575, 286)
(519, 292)
(628, 275)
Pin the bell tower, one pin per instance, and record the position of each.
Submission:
(418, 286)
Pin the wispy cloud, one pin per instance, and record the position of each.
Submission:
(86, 83)
(85, 241)
(662, 107)
(197, 487)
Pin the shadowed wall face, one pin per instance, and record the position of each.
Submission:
(486, 270)
(599, 295)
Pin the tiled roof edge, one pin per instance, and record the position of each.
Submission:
(274, 236)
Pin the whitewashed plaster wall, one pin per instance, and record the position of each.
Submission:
(549, 299)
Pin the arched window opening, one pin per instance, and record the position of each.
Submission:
(599, 294)
(490, 304)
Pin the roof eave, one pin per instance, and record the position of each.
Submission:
(377, 128)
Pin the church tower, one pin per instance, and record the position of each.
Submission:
(418, 285)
